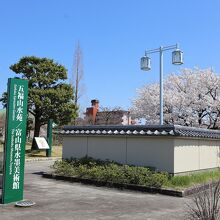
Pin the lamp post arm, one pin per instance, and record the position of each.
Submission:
(171, 47)
(152, 51)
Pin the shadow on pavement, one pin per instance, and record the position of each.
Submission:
(38, 173)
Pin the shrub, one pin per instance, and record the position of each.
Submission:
(109, 171)
(64, 168)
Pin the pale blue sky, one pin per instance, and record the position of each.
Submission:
(113, 35)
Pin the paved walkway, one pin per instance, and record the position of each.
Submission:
(74, 201)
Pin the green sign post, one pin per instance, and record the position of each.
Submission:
(15, 139)
(49, 137)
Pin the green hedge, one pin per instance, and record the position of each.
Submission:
(110, 172)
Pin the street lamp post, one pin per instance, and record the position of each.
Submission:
(177, 59)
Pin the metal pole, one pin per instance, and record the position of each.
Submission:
(160, 50)
(49, 137)
(161, 85)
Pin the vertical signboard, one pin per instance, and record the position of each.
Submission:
(15, 139)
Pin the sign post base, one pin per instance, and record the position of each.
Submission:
(25, 203)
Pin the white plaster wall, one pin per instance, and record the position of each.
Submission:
(151, 151)
(195, 154)
(75, 147)
(143, 151)
(186, 155)
(174, 155)
(111, 148)
(209, 154)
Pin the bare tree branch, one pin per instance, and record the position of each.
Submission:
(77, 76)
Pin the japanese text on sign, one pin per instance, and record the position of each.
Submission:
(20, 104)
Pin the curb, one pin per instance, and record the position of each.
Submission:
(199, 188)
(42, 159)
(169, 192)
(121, 186)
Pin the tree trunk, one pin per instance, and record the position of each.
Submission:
(36, 133)
(200, 119)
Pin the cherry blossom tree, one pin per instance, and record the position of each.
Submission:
(191, 98)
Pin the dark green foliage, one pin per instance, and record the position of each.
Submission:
(49, 96)
(114, 172)
(110, 172)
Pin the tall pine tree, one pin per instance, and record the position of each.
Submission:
(49, 96)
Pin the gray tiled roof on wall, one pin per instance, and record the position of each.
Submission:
(141, 130)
